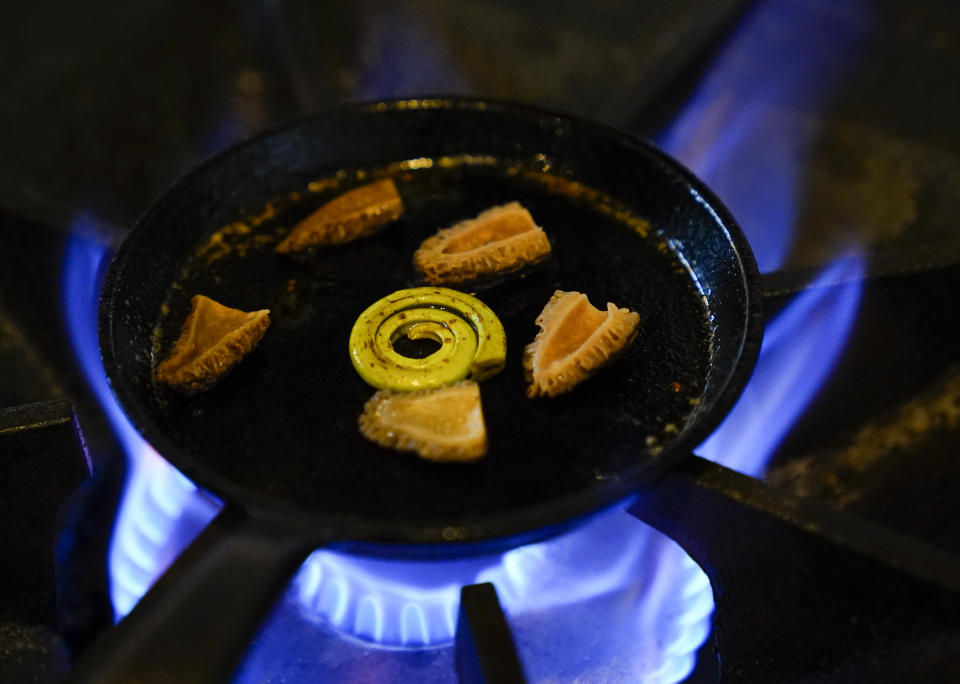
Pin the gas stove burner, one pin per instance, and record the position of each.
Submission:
(412, 605)
(614, 574)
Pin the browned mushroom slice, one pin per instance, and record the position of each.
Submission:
(352, 215)
(440, 424)
(575, 339)
(500, 240)
(214, 339)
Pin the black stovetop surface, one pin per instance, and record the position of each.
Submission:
(853, 104)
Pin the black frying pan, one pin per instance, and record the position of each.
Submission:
(277, 439)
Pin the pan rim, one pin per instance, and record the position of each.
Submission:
(503, 526)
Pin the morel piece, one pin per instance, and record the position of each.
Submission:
(440, 424)
(575, 339)
(500, 240)
(213, 340)
(354, 214)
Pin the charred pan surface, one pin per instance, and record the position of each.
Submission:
(301, 363)
(299, 373)
(441, 424)
(353, 215)
(574, 341)
(213, 340)
(501, 239)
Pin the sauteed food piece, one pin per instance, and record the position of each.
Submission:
(499, 240)
(472, 341)
(214, 339)
(575, 340)
(440, 424)
(354, 214)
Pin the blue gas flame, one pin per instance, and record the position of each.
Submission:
(748, 131)
(800, 348)
(749, 128)
(156, 494)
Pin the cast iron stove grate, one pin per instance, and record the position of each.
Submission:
(804, 592)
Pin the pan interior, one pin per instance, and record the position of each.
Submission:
(284, 423)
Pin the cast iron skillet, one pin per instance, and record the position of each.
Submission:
(277, 439)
